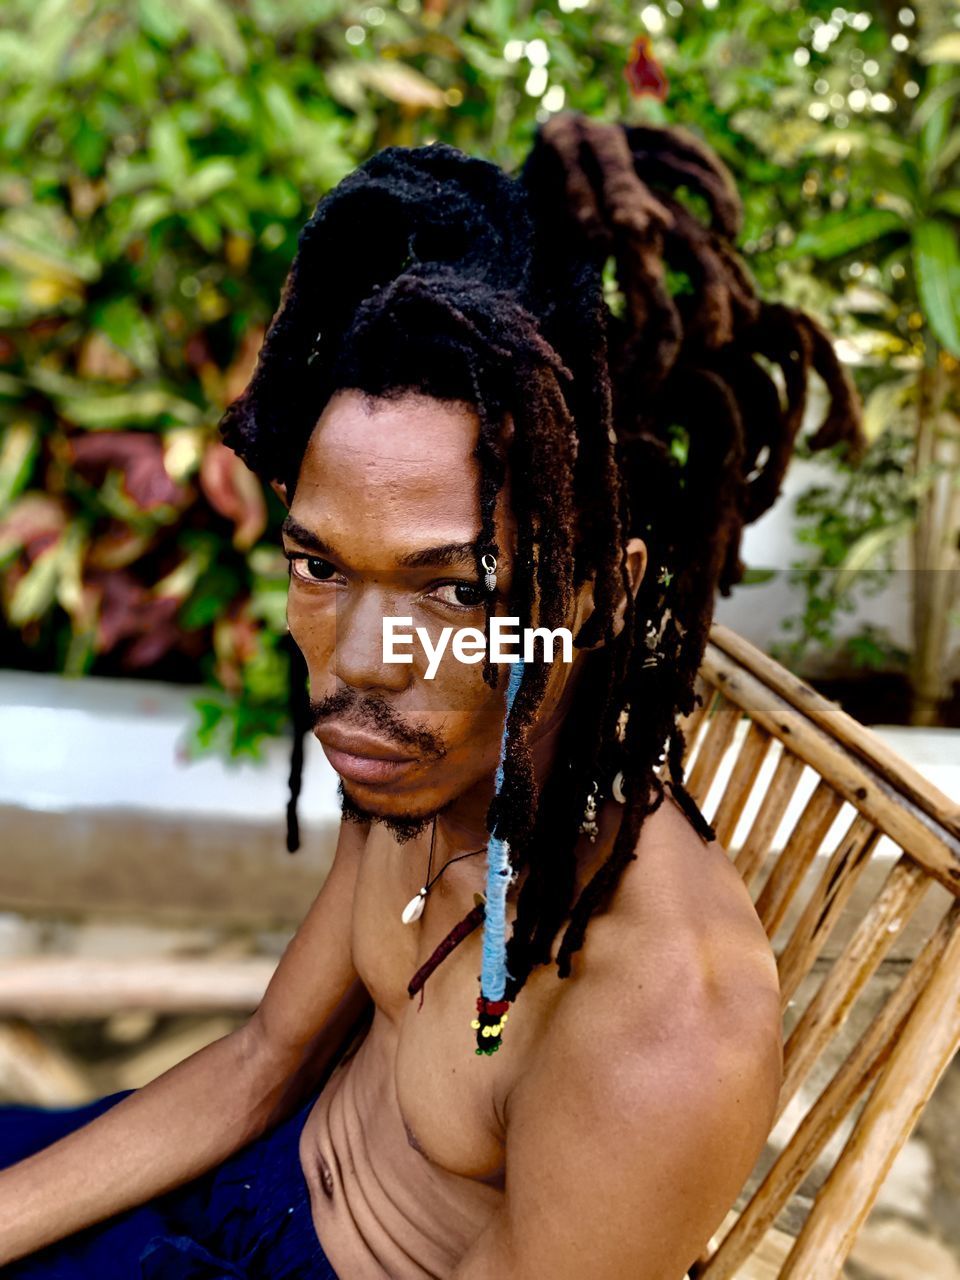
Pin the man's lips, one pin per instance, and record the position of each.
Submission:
(360, 756)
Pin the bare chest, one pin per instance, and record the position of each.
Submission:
(448, 1097)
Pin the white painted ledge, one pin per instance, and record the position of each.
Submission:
(121, 744)
(100, 808)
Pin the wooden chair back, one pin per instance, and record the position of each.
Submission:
(757, 743)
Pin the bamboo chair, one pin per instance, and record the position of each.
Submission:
(754, 711)
(750, 744)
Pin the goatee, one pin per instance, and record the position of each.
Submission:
(402, 827)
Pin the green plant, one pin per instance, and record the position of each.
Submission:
(156, 163)
(893, 248)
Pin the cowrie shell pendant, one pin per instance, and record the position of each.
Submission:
(414, 908)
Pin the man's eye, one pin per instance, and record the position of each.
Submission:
(311, 568)
(462, 595)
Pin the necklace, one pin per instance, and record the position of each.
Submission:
(414, 908)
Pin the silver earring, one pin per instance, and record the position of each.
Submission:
(588, 826)
(617, 790)
(489, 563)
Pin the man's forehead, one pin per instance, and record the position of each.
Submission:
(402, 471)
(405, 428)
(415, 452)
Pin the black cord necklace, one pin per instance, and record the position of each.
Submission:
(414, 908)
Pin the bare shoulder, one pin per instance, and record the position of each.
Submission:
(649, 1094)
(678, 950)
(675, 978)
(684, 920)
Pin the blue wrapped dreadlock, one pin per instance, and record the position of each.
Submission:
(491, 1005)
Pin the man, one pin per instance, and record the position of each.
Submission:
(471, 415)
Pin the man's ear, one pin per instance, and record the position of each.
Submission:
(636, 566)
(281, 491)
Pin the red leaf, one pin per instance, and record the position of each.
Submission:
(129, 611)
(234, 492)
(35, 522)
(138, 457)
(643, 72)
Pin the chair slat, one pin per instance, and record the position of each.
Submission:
(799, 852)
(847, 731)
(690, 724)
(825, 905)
(912, 828)
(881, 925)
(929, 1041)
(741, 782)
(859, 1069)
(717, 737)
(756, 845)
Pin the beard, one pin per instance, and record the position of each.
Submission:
(402, 827)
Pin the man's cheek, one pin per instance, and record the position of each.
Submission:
(314, 634)
(458, 689)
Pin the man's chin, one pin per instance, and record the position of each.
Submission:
(402, 826)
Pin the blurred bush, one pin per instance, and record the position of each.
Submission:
(157, 159)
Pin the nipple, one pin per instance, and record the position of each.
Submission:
(326, 1177)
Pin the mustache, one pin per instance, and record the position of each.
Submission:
(372, 712)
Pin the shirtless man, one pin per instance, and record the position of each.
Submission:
(434, 394)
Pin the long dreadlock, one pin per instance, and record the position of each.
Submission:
(429, 270)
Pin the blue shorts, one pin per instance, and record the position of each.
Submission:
(249, 1217)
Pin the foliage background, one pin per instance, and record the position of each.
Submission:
(157, 159)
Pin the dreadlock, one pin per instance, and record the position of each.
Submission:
(638, 410)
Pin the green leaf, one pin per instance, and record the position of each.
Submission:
(87, 407)
(36, 590)
(18, 449)
(170, 152)
(208, 177)
(147, 210)
(283, 110)
(865, 552)
(212, 22)
(947, 154)
(944, 48)
(158, 19)
(205, 229)
(941, 92)
(836, 236)
(947, 202)
(885, 405)
(128, 329)
(936, 258)
(41, 240)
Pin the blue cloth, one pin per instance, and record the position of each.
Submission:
(247, 1219)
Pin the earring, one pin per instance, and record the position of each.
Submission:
(621, 729)
(489, 563)
(588, 826)
(617, 790)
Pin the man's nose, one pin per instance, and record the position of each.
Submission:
(359, 659)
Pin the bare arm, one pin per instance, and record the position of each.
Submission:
(201, 1111)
